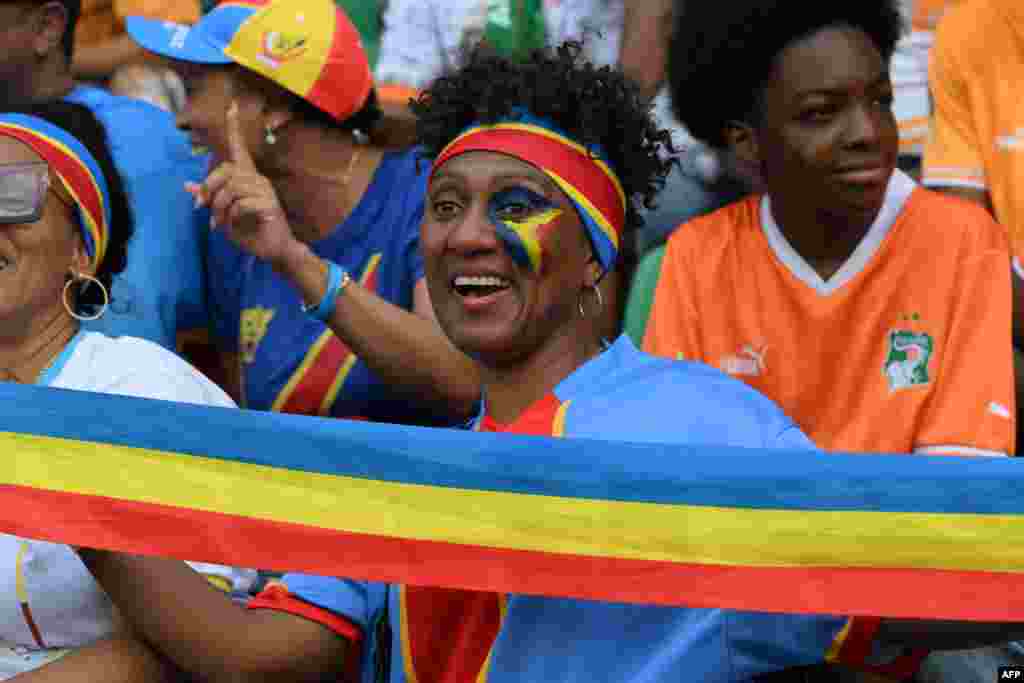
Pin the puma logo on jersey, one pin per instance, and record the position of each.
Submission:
(749, 362)
(999, 410)
(1014, 140)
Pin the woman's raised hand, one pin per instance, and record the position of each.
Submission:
(243, 202)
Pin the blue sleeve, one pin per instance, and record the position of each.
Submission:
(411, 244)
(413, 256)
(357, 601)
(193, 311)
(225, 267)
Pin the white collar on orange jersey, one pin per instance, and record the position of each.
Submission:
(900, 187)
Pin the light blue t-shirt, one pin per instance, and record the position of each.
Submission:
(621, 395)
(161, 290)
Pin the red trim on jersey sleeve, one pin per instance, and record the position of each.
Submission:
(277, 597)
(859, 643)
(859, 639)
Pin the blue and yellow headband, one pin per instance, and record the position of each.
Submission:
(77, 170)
(581, 173)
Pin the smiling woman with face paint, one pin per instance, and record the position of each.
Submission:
(538, 170)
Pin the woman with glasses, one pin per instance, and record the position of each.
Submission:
(64, 229)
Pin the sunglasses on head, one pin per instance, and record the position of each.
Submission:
(23, 188)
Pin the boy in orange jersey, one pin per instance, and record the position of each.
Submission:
(876, 313)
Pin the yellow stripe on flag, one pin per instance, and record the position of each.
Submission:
(640, 531)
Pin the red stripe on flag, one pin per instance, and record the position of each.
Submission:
(144, 528)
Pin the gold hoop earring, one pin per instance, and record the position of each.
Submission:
(597, 295)
(84, 281)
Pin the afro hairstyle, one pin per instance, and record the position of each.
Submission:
(722, 52)
(593, 106)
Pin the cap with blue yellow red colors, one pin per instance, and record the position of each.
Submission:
(309, 47)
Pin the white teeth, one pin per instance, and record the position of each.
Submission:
(480, 281)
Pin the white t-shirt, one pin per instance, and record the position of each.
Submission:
(424, 38)
(49, 603)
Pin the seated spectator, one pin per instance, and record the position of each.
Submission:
(528, 200)
(313, 266)
(875, 312)
(65, 230)
(161, 291)
(423, 38)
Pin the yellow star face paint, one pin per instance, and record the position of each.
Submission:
(521, 217)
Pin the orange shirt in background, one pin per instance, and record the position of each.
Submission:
(102, 20)
(926, 13)
(906, 348)
(976, 79)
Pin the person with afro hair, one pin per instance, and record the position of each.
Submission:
(876, 313)
(537, 171)
(560, 86)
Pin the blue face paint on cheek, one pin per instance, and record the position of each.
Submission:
(520, 217)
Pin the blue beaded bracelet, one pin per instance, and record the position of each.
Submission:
(337, 279)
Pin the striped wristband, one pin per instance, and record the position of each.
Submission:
(337, 279)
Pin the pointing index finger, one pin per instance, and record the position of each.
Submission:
(237, 150)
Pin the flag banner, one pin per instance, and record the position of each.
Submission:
(779, 531)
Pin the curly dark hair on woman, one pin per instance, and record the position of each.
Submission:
(592, 105)
(81, 124)
(722, 52)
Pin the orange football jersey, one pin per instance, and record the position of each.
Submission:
(977, 132)
(906, 348)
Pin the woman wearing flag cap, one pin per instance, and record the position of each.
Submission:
(539, 169)
(314, 269)
(64, 228)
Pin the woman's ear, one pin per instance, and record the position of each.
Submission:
(593, 272)
(277, 115)
(81, 264)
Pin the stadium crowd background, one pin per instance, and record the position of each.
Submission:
(196, 292)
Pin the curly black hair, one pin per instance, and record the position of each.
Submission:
(79, 122)
(594, 106)
(722, 52)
